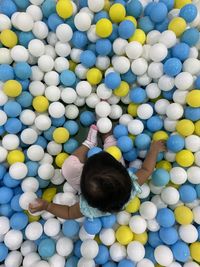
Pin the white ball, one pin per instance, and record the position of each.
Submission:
(168, 38)
(137, 224)
(57, 178)
(188, 233)
(170, 125)
(135, 251)
(13, 239)
(192, 143)
(123, 217)
(133, 50)
(75, 54)
(45, 63)
(71, 112)
(35, 153)
(163, 255)
(155, 189)
(136, 163)
(174, 264)
(178, 175)
(174, 111)
(126, 99)
(117, 252)
(81, 71)
(116, 112)
(40, 30)
(29, 136)
(82, 21)
(3, 154)
(145, 191)
(24, 22)
(102, 62)
(95, 5)
(125, 119)
(193, 174)
(119, 46)
(83, 235)
(46, 171)
(170, 156)
(61, 64)
(153, 225)
(4, 225)
(5, 57)
(52, 93)
(64, 246)
(148, 210)
(42, 264)
(3, 97)
(113, 99)
(33, 231)
(104, 125)
(179, 96)
(85, 262)
(54, 149)
(158, 52)
(56, 110)
(35, 12)
(144, 79)
(30, 259)
(63, 49)
(193, 52)
(51, 78)
(91, 34)
(89, 249)
(103, 91)
(184, 81)
(146, 263)
(197, 158)
(36, 48)
(92, 100)
(14, 259)
(166, 83)
(135, 127)
(196, 214)
(43, 122)
(145, 111)
(103, 109)
(191, 65)
(10, 141)
(37, 74)
(64, 33)
(139, 66)
(68, 188)
(161, 106)
(30, 184)
(5, 22)
(191, 264)
(153, 37)
(155, 70)
(83, 89)
(80, 101)
(18, 170)
(107, 236)
(3, 117)
(36, 88)
(28, 247)
(57, 261)
(170, 195)
(26, 198)
(19, 53)
(153, 91)
(52, 227)
(122, 64)
(146, 52)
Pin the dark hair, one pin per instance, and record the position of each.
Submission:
(105, 183)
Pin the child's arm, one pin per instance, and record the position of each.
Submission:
(150, 161)
(61, 211)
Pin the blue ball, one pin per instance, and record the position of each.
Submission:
(188, 12)
(192, 114)
(41, 141)
(70, 228)
(162, 26)
(15, 203)
(22, 4)
(181, 51)
(18, 221)
(125, 143)
(79, 39)
(6, 195)
(102, 256)
(165, 217)
(138, 95)
(6, 210)
(71, 126)
(48, 134)
(100, 15)
(25, 38)
(168, 235)
(175, 143)
(168, 94)
(169, 3)
(42, 183)
(92, 227)
(93, 151)
(54, 21)
(120, 130)
(87, 118)
(25, 99)
(8, 7)
(126, 263)
(108, 221)
(77, 248)
(32, 168)
(155, 123)
(47, 248)
(172, 67)
(198, 229)
(158, 12)
(154, 239)
(190, 37)
(71, 262)
(2, 171)
(131, 155)
(6, 72)
(146, 24)
(67, 77)
(181, 251)
(22, 70)
(103, 47)
(112, 80)
(149, 253)
(142, 141)
(109, 264)
(2, 130)
(187, 193)
(12, 109)
(148, 8)
(160, 177)
(88, 58)
(24, 83)
(197, 188)
(71, 145)
(114, 35)
(126, 29)
(17, 190)
(58, 122)
(197, 83)
(134, 8)
(13, 126)
(48, 7)
(129, 77)
(3, 252)
(9, 181)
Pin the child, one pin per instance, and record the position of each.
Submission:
(104, 184)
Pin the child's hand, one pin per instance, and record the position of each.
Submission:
(38, 205)
(158, 146)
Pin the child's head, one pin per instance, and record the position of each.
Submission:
(105, 183)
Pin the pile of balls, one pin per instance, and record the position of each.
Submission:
(65, 63)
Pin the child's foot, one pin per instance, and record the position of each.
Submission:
(106, 135)
(91, 140)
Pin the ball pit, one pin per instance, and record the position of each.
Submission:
(131, 65)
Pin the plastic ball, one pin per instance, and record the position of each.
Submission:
(104, 125)
(64, 9)
(107, 236)
(163, 255)
(12, 88)
(177, 25)
(183, 215)
(135, 127)
(13, 239)
(104, 28)
(148, 210)
(89, 249)
(170, 195)
(135, 251)
(144, 111)
(188, 233)
(137, 224)
(117, 252)
(185, 158)
(160, 177)
(124, 235)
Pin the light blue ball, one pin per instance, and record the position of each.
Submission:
(22, 70)
(172, 67)
(162, 26)
(126, 29)
(41, 141)
(192, 114)
(6, 195)
(48, 7)
(158, 12)
(154, 239)
(197, 83)
(148, 8)
(103, 47)
(93, 151)
(126, 263)
(3, 252)
(129, 77)
(42, 183)
(100, 15)
(22, 4)
(25, 38)
(71, 126)
(92, 227)
(125, 143)
(67, 77)
(102, 256)
(168, 94)
(142, 141)
(13, 126)
(146, 24)
(188, 12)
(168, 235)
(197, 188)
(198, 229)
(8, 7)
(77, 248)
(120, 130)
(18, 221)
(180, 251)
(181, 51)
(165, 217)
(114, 35)
(134, 8)
(71, 262)
(2, 171)
(70, 228)
(48, 134)
(155, 123)
(15, 203)
(175, 143)
(112, 80)
(87, 118)
(149, 253)
(9, 181)
(32, 168)
(108, 221)
(169, 3)
(12, 109)
(187, 193)
(138, 95)
(24, 83)
(88, 58)
(131, 155)
(54, 21)
(79, 39)
(191, 37)
(6, 72)
(25, 99)
(160, 177)
(47, 248)
(6, 210)
(71, 145)
(109, 264)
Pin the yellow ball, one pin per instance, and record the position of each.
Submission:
(195, 251)
(60, 135)
(197, 128)
(193, 98)
(49, 194)
(115, 152)
(177, 25)
(117, 13)
(160, 135)
(104, 28)
(132, 137)
(183, 215)
(124, 235)
(40, 103)
(12, 88)
(132, 109)
(94, 76)
(131, 18)
(72, 65)
(97, 239)
(107, 5)
(133, 205)
(181, 3)
(185, 158)
(8, 38)
(138, 36)
(142, 238)
(64, 8)
(15, 156)
(163, 164)
(173, 185)
(32, 218)
(185, 127)
(60, 158)
(122, 90)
